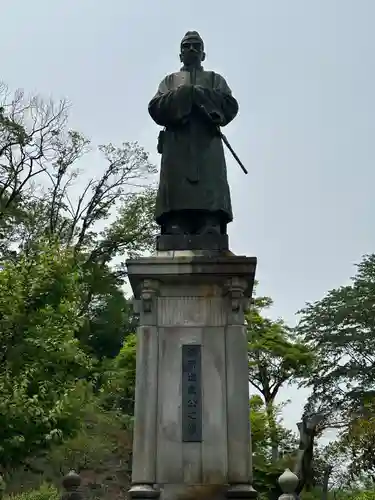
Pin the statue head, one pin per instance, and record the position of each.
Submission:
(192, 49)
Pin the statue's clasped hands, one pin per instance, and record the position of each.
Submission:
(200, 91)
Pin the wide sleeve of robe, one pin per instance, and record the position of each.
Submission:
(220, 100)
(170, 107)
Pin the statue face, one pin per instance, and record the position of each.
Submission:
(192, 52)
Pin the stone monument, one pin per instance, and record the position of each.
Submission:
(191, 427)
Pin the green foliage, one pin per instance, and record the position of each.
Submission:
(44, 492)
(110, 321)
(266, 471)
(39, 175)
(365, 495)
(118, 391)
(99, 452)
(276, 357)
(46, 195)
(109, 318)
(108, 315)
(340, 328)
(63, 313)
(103, 436)
(134, 229)
(261, 432)
(357, 443)
(356, 495)
(259, 426)
(42, 369)
(2, 486)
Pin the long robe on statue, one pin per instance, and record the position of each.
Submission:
(193, 173)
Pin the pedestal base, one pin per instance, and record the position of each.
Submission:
(193, 492)
(143, 492)
(207, 492)
(241, 491)
(192, 398)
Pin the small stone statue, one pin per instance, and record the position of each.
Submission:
(304, 464)
(192, 104)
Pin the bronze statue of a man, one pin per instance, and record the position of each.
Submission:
(191, 105)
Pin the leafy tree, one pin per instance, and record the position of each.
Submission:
(45, 192)
(119, 387)
(102, 438)
(341, 329)
(40, 160)
(43, 372)
(109, 315)
(260, 434)
(108, 322)
(276, 357)
(101, 215)
(357, 443)
(266, 471)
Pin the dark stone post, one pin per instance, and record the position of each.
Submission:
(71, 484)
(304, 463)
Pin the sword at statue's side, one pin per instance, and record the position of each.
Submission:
(226, 142)
(224, 139)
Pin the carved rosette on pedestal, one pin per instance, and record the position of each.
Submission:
(235, 289)
(149, 292)
(191, 422)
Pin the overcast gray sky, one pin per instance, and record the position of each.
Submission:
(303, 73)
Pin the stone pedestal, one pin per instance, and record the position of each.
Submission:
(197, 434)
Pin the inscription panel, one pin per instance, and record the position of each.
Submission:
(191, 393)
(191, 311)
